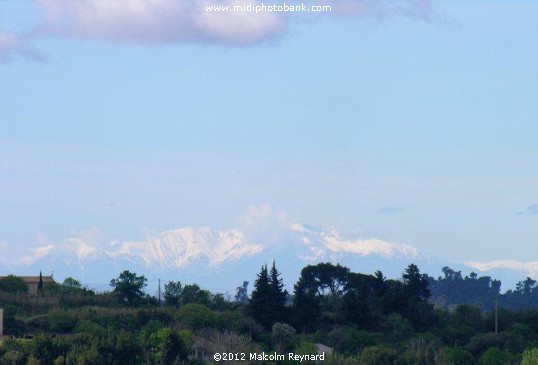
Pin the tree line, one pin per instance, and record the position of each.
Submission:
(364, 319)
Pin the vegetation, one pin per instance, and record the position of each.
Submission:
(363, 319)
(13, 284)
(129, 288)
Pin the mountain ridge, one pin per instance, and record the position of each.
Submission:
(226, 257)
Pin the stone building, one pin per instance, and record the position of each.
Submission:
(33, 282)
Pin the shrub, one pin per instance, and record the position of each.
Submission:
(61, 321)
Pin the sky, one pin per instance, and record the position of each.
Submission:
(409, 121)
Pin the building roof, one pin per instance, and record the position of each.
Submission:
(34, 279)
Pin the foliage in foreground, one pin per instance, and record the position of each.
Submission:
(364, 319)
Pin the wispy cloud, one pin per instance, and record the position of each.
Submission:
(187, 21)
(155, 22)
(158, 21)
(13, 45)
(531, 210)
(391, 209)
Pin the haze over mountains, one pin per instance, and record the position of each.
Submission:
(222, 259)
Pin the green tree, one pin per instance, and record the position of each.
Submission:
(416, 294)
(320, 288)
(416, 284)
(277, 295)
(40, 284)
(70, 283)
(194, 294)
(13, 284)
(219, 302)
(129, 287)
(241, 293)
(260, 299)
(172, 293)
(268, 299)
(306, 300)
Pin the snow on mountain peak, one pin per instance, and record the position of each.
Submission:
(529, 268)
(179, 247)
(79, 247)
(261, 232)
(328, 240)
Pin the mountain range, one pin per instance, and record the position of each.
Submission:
(221, 260)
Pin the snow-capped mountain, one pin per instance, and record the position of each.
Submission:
(220, 259)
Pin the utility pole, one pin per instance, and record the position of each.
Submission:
(159, 292)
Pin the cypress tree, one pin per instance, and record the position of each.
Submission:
(40, 284)
(278, 296)
(268, 300)
(261, 296)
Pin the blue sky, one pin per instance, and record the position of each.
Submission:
(419, 129)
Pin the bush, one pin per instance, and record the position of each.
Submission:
(454, 356)
(530, 357)
(378, 355)
(495, 356)
(196, 316)
(13, 357)
(350, 341)
(13, 284)
(397, 328)
(168, 346)
(91, 328)
(61, 321)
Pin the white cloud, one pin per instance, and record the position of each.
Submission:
(530, 268)
(268, 227)
(38, 252)
(184, 21)
(187, 21)
(158, 21)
